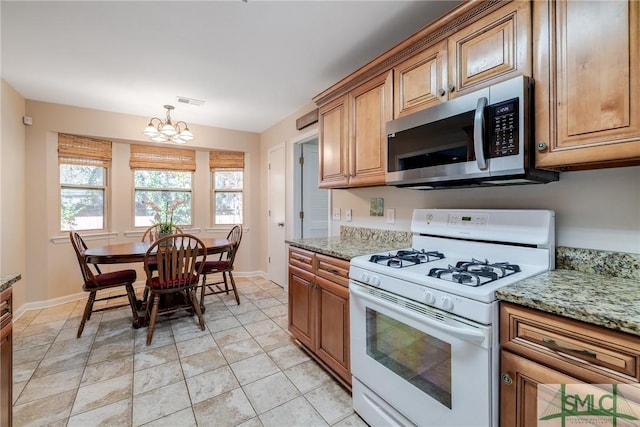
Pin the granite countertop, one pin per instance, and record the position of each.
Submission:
(612, 302)
(344, 248)
(7, 280)
(355, 241)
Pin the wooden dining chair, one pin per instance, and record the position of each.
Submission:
(151, 234)
(224, 266)
(176, 280)
(98, 281)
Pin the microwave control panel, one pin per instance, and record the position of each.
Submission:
(502, 128)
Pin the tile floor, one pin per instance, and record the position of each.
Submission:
(243, 369)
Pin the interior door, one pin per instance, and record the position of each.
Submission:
(277, 262)
(315, 200)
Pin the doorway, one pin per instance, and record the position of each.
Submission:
(311, 204)
(277, 262)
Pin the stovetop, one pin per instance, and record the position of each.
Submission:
(471, 274)
(461, 275)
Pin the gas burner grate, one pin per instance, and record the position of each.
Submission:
(474, 272)
(406, 257)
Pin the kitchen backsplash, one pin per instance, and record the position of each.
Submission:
(394, 238)
(613, 264)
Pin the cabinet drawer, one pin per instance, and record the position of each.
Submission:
(334, 269)
(301, 258)
(5, 307)
(589, 352)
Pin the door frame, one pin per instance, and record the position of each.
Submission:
(291, 221)
(271, 149)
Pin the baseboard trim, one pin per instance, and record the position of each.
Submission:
(139, 284)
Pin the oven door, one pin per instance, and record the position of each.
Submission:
(432, 367)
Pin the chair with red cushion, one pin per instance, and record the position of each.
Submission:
(177, 277)
(223, 265)
(98, 281)
(150, 235)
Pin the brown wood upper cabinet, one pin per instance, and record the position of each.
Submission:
(587, 80)
(492, 49)
(353, 137)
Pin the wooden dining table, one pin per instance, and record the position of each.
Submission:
(131, 252)
(119, 253)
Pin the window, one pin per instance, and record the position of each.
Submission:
(227, 175)
(162, 180)
(83, 165)
(164, 189)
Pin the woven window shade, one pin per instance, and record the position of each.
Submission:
(150, 157)
(226, 160)
(80, 150)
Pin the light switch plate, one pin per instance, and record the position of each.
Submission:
(336, 214)
(347, 215)
(391, 216)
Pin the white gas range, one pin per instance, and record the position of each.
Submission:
(423, 320)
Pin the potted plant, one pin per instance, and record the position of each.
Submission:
(163, 218)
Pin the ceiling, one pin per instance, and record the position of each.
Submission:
(252, 63)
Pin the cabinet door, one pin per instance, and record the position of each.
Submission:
(333, 327)
(371, 108)
(587, 73)
(6, 382)
(519, 399)
(493, 49)
(302, 302)
(421, 81)
(333, 136)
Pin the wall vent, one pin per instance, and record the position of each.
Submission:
(190, 101)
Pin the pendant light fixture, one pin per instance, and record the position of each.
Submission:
(163, 131)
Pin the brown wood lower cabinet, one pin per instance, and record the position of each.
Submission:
(6, 354)
(519, 389)
(542, 348)
(319, 308)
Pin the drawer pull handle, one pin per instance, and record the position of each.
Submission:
(552, 343)
(4, 306)
(333, 270)
(295, 258)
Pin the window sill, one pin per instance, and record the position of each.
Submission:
(87, 237)
(138, 233)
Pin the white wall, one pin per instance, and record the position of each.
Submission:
(12, 189)
(597, 209)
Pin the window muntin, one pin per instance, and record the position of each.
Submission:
(82, 197)
(164, 188)
(228, 186)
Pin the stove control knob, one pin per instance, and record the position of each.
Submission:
(429, 298)
(446, 303)
(375, 281)
(365, 277)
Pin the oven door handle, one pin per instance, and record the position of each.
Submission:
(467, 334)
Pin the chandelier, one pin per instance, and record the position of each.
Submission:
(163, 131)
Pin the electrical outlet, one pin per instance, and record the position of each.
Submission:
(336, 214)
(391, 216)
(347, 215)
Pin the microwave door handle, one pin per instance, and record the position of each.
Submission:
(478, 133)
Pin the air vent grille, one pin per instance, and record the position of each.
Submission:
(190, 101)
(408, 304)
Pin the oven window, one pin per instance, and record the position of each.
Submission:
(419, 358)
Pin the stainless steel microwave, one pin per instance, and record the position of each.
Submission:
(484, 138)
